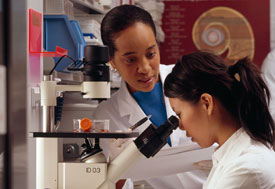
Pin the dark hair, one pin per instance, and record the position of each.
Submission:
(239, 87)
(120, 18)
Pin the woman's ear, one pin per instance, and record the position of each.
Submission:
(207, 102)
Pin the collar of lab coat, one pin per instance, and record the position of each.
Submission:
(231, 148)
(135, 113)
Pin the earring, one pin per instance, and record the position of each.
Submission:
(114, 69)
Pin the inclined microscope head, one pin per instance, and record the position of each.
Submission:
(154, 138)
(147, 144)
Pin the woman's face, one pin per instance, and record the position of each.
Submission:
(194, 119)
(137, 57)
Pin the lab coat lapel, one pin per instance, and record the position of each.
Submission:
(177, 134)
(129, 107)
(164, 71)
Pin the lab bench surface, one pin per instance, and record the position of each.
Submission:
(82, 135)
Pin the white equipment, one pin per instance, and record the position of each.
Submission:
(92, 170)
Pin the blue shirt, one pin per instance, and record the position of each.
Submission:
(152, 102)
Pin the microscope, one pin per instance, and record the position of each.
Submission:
(95, 85)
(91, 170)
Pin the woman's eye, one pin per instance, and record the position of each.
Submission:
(151, 54)
(130, 60)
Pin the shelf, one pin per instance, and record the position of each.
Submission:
(87, 7)
(82, 135)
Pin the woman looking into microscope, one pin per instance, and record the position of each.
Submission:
(227, 105)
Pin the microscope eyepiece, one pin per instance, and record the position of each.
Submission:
(154, 138)
(173, 121)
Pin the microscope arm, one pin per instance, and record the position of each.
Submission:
(148, 144)
(120, 164)
(69, 88)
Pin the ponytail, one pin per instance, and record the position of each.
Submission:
(252, 101)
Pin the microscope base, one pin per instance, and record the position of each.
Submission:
(81, 175)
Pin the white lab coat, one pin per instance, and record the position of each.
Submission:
(123, 111)
(242, 163)
(268, 73)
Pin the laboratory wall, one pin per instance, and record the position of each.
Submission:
(227, 28)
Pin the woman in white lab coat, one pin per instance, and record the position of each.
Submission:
(231, 103)
(268, 73)
(130, 34)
